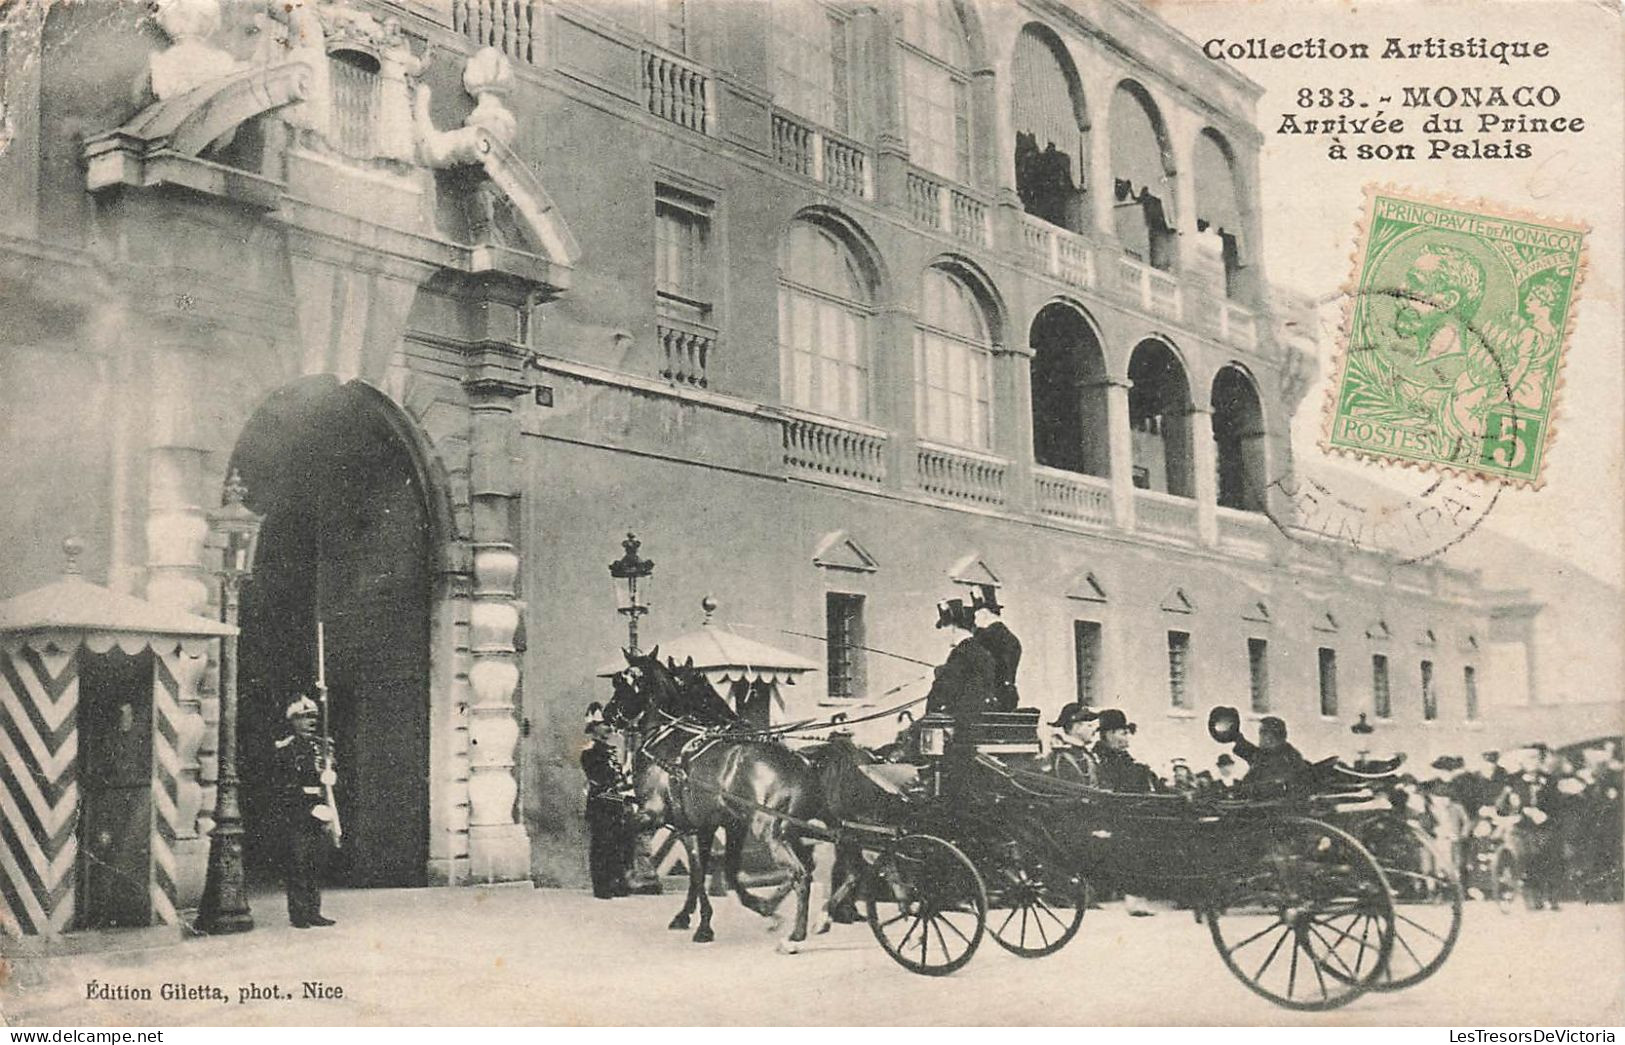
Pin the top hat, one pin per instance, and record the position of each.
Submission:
(1224, 724)
(1112, 718)
(1447, 763)
(986, 598)
(1074, 712)
(951, 613)
(301, 706)
(1492, 756)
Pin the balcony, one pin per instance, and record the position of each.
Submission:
(1237, 326)
(678, 91)
(1073, 497)
(822, 155)
(686, 350)
(936, 204)
(1057, 252)
(833, 449)
(1165, 515)
(960, 475)
(511, 26)
(1247, 534)
(1156, 291)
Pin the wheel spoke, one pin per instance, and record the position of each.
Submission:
(1285, 932)
(1040, 927)
(1262, 932)
(893, 921)
(1006, 923)
(956, 930)
(1419, 925)
(1331, 952)
(1292, 974)
(1400, 938)
(1314, 963)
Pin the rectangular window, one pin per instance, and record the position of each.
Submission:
(1179, 651)
(1328, 682)
(952, 382)
(683, 257)
(1469, 684)
(671, 24)
(844, 635)
(1258, 673)
(1086, 651)
(1430, 697)
(809, 62)
(1381, 701)
(937, 115)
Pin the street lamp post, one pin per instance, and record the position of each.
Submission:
(628, 571)
(235, 531)
(1362, 730)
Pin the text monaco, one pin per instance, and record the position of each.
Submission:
(1261, 48)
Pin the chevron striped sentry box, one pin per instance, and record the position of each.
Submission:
(45, 637)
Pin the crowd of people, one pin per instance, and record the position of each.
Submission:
(1557, 813)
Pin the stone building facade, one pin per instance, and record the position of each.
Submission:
(839, 306)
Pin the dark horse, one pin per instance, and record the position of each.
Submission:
(696, 768)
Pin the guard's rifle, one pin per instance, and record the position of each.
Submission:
(335, 830)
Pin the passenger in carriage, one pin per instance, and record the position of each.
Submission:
(1119, 771)
(1001, 644)
(963, 687)
(1272, 758)
(1072, 755)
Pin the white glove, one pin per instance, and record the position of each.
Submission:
(322, 813)
(329, 777)
(1535, 815)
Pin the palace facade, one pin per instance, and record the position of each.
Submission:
(838, 306)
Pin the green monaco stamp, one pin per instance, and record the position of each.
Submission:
(1455, 335)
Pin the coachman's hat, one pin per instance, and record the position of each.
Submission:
(301, 706)
(1112, 718)
(1074, 712)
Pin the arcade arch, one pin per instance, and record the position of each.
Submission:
(1159, 409)
(1142, 177)
(1220, 242)
(1238, 437)
(1050, 121)
(1068, 376)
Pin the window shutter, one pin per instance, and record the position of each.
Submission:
(838, 73)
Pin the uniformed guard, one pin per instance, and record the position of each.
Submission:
(609, 822)
(303, 774)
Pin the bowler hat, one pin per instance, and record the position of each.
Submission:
(1226, 760)
(1072, 713)
(1112, 719)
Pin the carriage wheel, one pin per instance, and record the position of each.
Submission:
(1034, 907)
(1507, 878)
(1312, 902)
(926, 904)
(1427, 899)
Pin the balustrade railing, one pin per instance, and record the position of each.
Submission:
(938, 205)
(1068, 495)
(828, 448)
(678, 91)
(686, 350)
(1057, 252)
(970, 218)
(1237, 326)
(960, 474)
(513, 27)
(821, 155)
(1156, 291)
(925, 200)
(1165, 514)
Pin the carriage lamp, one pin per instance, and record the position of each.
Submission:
(631, 575)
(235, 530)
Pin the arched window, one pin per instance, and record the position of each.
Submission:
(810, 79)
(1159, 414)
(1238, 436)
(1141, 179)
(824, 308)
(1218, 209)
(936, 86)
(1049, 119)
(1068, 393)
(953, 363)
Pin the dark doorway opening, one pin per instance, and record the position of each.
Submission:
(347, 540)
(115, 781)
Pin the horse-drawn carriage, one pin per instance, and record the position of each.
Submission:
(1310, 895)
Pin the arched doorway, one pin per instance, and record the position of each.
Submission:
(347, 539)
(1159, 409)
(1068, 377)
(1238, 436)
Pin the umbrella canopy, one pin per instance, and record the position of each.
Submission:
(724, 657)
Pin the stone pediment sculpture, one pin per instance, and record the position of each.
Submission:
(346, 84)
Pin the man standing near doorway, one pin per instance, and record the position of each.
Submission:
(301, 773)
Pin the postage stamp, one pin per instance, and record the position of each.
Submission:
(1455, 331)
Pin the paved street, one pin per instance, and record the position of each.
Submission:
(519, 955)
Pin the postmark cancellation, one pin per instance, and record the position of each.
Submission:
(1455, 327)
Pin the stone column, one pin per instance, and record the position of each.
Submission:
(1013, 420)
(1119, 441)
(1182, 208)
(891, 347)
(177, 524)
(498, 848)
(1205, 478)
